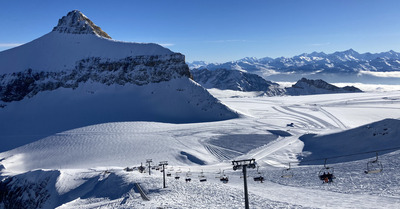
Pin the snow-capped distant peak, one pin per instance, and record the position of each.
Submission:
(77, 23)
(248, 59)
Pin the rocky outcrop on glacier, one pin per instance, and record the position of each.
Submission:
(235, 80)
(307, 87)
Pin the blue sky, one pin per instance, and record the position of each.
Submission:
(220, 30)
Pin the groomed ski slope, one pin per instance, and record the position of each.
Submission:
(83, 155)
(177, 101)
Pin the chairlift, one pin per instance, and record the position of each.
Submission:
(259, 177)
(326, 174)
(169, 173)
(202, 177)
(218, 174)
(141, 168)
(224, 178)
(287, 173)
(188, 176)
(374, 166)
(177, 176)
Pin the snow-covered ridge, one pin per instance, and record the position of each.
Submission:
(73, 39)
(77, 51)
(61, 51)
(77, 23)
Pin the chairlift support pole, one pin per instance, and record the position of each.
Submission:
(246, 195)
(148, 161)
(163, 164)
(243, 164)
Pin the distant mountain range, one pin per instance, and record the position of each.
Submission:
(345, 66)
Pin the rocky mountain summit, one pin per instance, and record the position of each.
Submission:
(76, 52)
(77, 23)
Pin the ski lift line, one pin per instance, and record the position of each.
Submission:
(333, 157)
(348, 155)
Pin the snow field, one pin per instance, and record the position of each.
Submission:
(113, 146)
(50, 112)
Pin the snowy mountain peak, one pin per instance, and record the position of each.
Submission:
(248, 59)
(77, 23)
(350, 51)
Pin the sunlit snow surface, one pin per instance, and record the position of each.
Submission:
(83, 155)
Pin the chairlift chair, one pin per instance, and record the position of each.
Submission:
(177, 176)
(218, 174)
(326, 174)
(202, 177)
(287, 173)
(224, 178)
(141, 168)
(259, 177)
(188, 176)
(374, 166)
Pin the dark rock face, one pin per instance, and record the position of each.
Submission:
(316, 83)
(234, 80)
(77, 23)
(308, 86)
(140, 70)
(17, 192)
